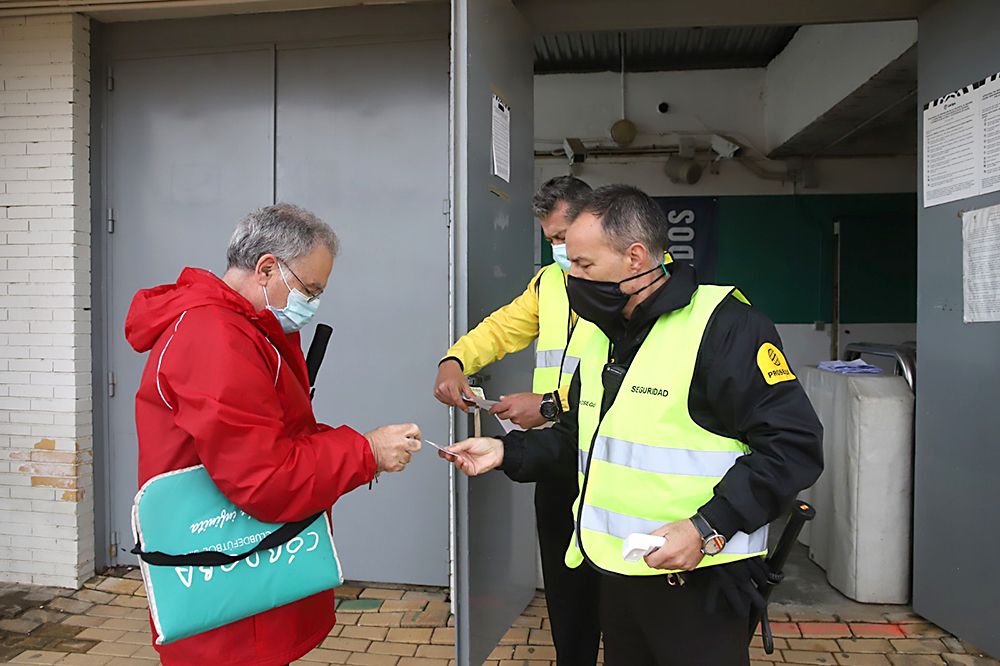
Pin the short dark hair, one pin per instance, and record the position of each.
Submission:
(629, 215)
(572, 190)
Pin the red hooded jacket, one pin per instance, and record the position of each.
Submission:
(224, 387)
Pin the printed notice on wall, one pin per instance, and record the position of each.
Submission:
(962, 143)
(981, 264)
(500, 148)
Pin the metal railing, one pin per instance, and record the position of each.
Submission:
(904, 354)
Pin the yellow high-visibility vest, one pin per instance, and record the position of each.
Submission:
(647, 462)
(556, 358)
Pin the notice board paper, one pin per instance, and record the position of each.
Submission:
(500, 147)
(981, 264)
(961, 143)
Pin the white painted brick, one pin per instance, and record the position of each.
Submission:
(29, 212)
(12, 148)
(33, 493)
(32, 419)
(13, 123)
(49, 173)
(8, 377)
(44, 286)
(31, 391)
(13, 251)
(29, 187)
(13, 479)
(7, 96)
(13, 225)
(50, 430)
(15, 505)
(27, 135)
(30, 263)
(25, 160)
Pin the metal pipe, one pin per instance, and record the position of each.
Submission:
(906, 358)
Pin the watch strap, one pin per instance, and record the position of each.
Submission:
(702, 525)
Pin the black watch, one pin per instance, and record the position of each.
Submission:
(712, 542)
(551, 407)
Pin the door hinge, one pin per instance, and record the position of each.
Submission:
(111, 220)
(110, 80)
(111, 384)
(445, 206)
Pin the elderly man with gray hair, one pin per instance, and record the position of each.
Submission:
(225, 386)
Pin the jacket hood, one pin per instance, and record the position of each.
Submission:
(154, 309)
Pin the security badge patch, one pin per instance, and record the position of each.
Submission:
(773, 365)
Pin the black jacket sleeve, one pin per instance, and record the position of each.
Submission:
(546, 454)
(774, 418)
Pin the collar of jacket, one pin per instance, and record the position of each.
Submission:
(671, 295)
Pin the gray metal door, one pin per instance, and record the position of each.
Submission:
(362, 139)
(189, 152)
(956, 506)
(494, 232)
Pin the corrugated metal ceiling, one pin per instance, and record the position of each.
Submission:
(660, 49)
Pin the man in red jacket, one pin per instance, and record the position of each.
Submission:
(225, 386)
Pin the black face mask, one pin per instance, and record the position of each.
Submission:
(602, 302)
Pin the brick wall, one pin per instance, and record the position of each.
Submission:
(46, 437)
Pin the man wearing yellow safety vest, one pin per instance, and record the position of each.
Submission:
(685, 422)
(541, 314)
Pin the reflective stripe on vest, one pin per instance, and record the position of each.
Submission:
(662, 460)
(620, 526)
(646, 462)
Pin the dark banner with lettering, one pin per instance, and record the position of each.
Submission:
(693, 232)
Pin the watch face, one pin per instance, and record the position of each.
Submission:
(548, 409)
(714, 545)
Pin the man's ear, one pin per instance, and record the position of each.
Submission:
(638, 257)
(266, 266)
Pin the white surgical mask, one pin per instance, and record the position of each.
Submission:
(559, 256)
(298, 312)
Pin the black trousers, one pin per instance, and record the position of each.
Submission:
(647, 622)
(572, 595)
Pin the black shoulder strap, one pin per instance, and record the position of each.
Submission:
(213, 558)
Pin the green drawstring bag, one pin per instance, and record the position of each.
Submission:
(206, 563)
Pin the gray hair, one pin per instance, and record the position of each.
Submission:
(284, 230)
(572, 190)
(629, 215)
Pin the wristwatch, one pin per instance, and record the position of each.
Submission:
(551, 407)
(712, 542)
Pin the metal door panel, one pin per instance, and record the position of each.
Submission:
(362, 140)
(494, 252)
(189, 153)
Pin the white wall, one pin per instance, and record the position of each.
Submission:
(46, 439)
(822, 65)
(729, 102)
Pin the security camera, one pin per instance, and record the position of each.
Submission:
(575, 150)
(725, 148)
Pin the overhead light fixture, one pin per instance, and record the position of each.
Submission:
(576, 152)
(623, 132)
(682, 170)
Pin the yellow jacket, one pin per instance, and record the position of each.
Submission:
(510, 329)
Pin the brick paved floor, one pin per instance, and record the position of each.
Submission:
(105, 624)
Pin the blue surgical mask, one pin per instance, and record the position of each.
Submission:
(559, 256)
(298, 312)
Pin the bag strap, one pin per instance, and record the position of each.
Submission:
(214, 558)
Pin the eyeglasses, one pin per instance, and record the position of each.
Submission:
(310, 296)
